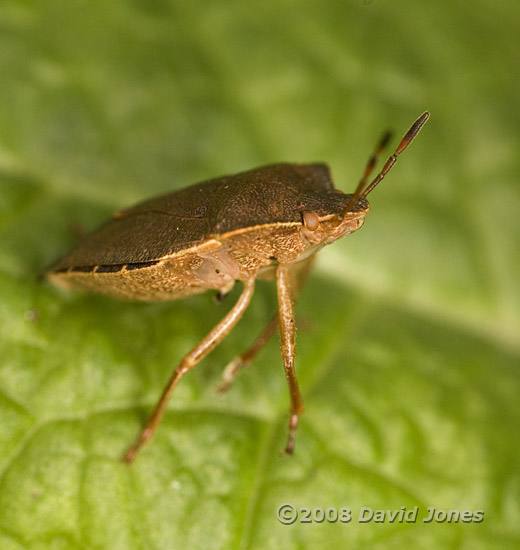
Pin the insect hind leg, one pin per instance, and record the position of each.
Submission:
(189, 361)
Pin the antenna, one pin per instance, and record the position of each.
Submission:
(407, 139)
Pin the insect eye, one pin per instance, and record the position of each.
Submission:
(311, 220)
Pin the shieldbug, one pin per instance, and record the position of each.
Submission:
(265, 223)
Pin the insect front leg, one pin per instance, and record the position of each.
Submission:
(287, 343)
(299, 273)
(189, 361)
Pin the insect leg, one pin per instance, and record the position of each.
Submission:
(190, 360)
(287, 343)
(247, 357)
(300, 271)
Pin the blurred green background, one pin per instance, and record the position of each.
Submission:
(408, 349)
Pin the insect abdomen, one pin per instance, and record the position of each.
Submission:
(149, 281)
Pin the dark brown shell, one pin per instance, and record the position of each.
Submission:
(182, 219)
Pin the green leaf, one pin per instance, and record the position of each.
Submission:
(408, 350)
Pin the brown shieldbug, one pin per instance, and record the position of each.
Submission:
(265, 223)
